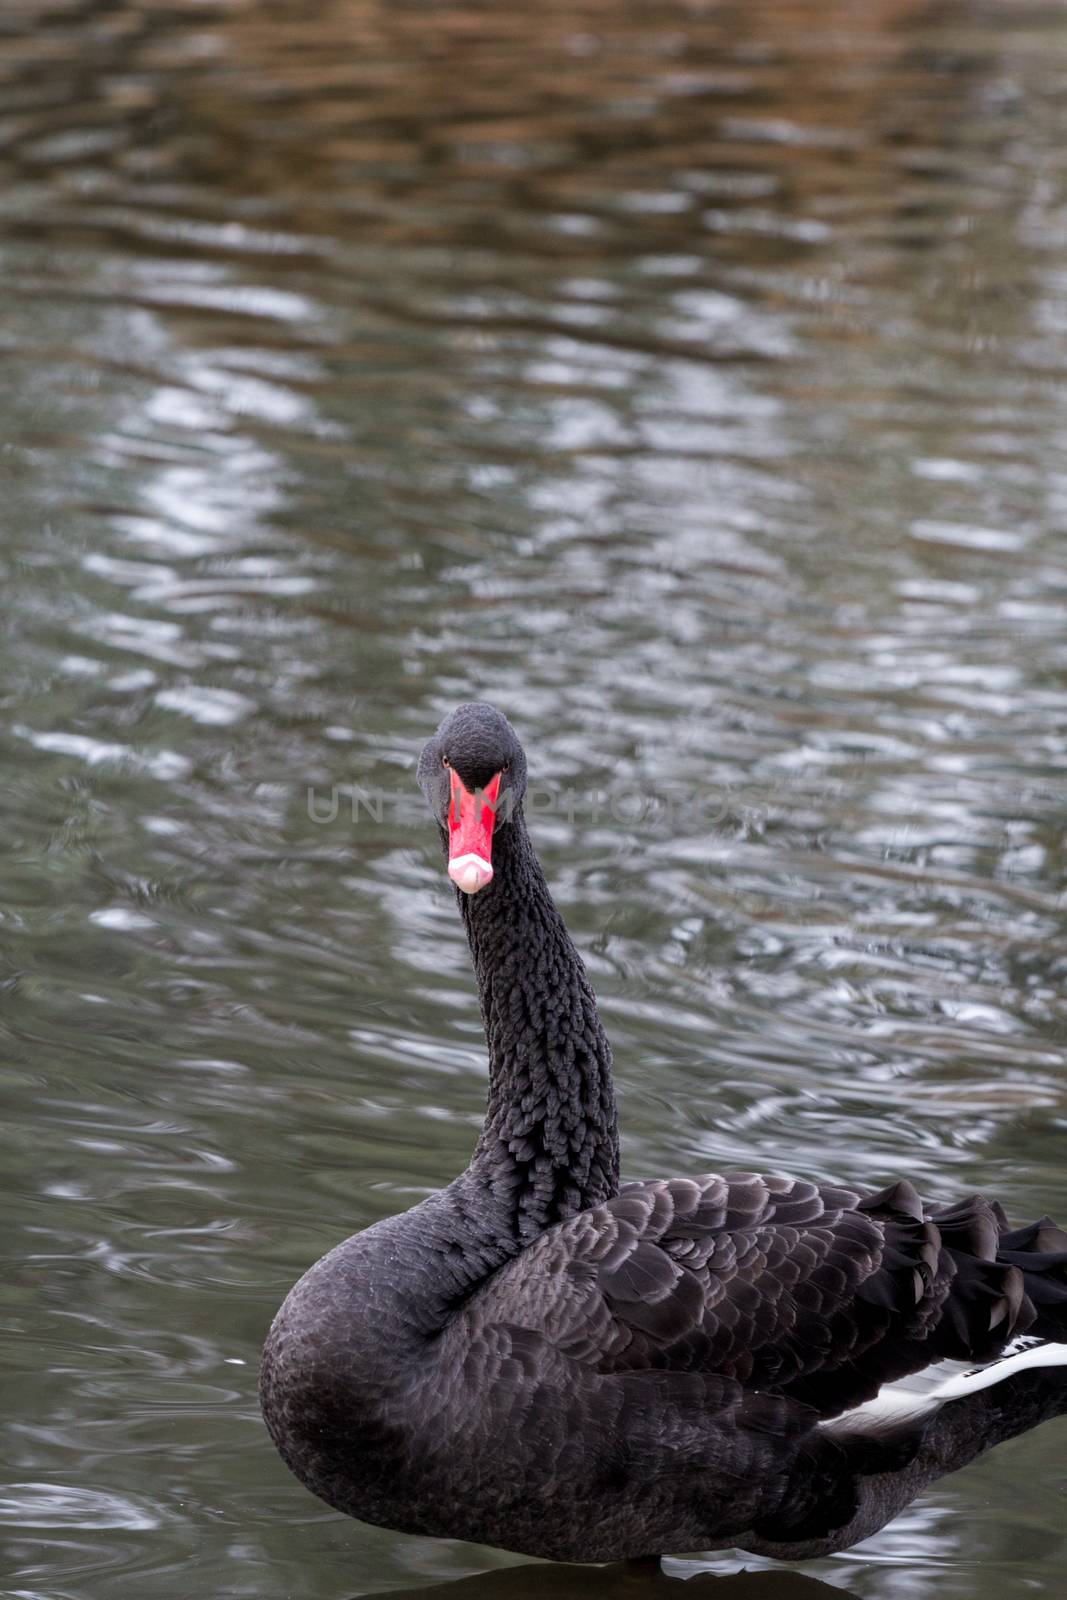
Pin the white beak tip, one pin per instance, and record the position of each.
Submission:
(470, 873)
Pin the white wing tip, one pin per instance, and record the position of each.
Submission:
(927, 1391)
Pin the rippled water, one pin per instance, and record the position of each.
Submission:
(689, 379)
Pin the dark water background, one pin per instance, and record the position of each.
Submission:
(689, 379)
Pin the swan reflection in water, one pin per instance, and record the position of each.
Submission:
(621, 1580)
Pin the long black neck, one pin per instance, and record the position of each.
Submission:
(549, 1147)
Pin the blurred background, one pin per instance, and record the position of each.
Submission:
(689, 379)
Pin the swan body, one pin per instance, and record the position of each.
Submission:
(539, 1358)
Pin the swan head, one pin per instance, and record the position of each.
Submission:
(473, 774)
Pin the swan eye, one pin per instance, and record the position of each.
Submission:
(506, 767)
(445, 761)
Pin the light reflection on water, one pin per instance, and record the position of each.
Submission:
(689, 380)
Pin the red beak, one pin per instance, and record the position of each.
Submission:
(470, 833)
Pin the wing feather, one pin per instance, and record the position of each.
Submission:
(812, 1291)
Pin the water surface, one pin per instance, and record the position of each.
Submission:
(688, 379)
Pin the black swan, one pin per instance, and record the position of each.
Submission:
(541, 1359)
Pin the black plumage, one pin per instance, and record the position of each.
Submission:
(539, 1359)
